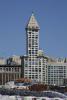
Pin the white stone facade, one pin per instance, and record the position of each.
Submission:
(56, 72)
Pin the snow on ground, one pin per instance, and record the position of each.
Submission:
(6, 97)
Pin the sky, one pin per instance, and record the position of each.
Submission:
(51, 16)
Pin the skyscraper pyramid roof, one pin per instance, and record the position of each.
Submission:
(32, 23)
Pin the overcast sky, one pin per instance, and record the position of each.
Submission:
(51, 16)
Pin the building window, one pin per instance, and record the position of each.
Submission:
(29, 32)
(6, 69)
(29, 51)
(9, 69)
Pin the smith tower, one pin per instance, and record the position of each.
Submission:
(34, 64)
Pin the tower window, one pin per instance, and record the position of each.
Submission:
(29, 32)
(36, 30)
(33, 30)
(29, 51)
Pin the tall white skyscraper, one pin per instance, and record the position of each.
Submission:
(34, 67)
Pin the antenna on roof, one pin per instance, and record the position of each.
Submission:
(32, 12)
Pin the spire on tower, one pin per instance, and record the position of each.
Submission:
(32, 23)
